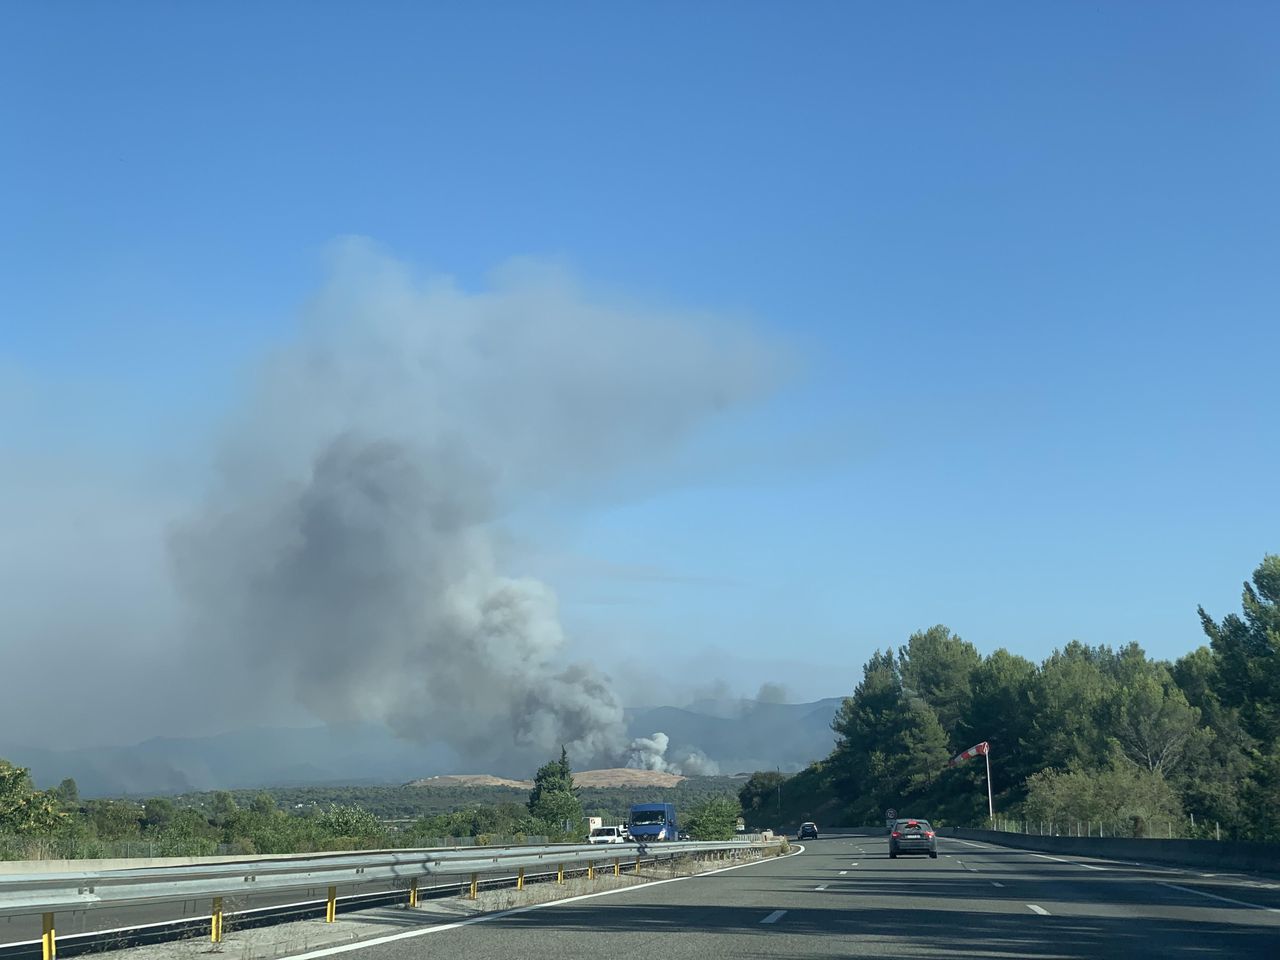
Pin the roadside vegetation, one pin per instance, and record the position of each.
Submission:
(58, 823)
(1093, 735)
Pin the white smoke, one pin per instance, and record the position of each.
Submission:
(346, 556)
(650, 753)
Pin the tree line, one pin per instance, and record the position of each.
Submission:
(36, 824)
(1091, 734)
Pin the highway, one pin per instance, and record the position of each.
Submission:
(843, 897)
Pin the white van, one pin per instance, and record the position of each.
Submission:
(607, 835)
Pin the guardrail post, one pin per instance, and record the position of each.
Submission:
(560, 874)
(617, 866)
(48, 939)
(413, 892)
(475, 886)
(591, 869)
(331, 906)
(520, 879)
(637, 864)
(215, 921)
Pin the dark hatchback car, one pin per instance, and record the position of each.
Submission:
(912, 836)
(808, 831)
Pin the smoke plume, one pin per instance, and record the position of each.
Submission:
(347, 556)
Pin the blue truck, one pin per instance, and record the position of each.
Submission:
(653, 821)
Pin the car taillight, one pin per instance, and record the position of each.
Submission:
(895, 834)
(928, 833)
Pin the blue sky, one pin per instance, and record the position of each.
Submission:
(1023, 255)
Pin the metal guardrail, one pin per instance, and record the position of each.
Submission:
(50, 893)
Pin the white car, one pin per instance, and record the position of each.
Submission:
(608, 835)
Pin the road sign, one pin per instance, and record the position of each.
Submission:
(891, 814)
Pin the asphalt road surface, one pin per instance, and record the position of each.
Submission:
(843, 897)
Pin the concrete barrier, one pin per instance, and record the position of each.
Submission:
(1215, 854)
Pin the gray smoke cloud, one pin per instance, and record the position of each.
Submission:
(772, 692)
(347, 556)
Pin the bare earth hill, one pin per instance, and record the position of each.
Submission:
(625, 777)
(469, 780)
(615, 777)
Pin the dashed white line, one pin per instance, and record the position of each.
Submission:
(1214, 896)
(1036, 908)
(823, 887)
(843, 872)
(996, 883)
(773, 917)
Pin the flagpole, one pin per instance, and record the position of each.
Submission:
(991, 809)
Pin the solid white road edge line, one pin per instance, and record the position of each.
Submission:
(1036, 908)
(486, 917)
(1214, 896)
(1074, 863)
(773, 917)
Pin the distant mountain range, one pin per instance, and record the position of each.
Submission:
(739, 735)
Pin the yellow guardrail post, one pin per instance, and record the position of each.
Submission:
(617, 866)
(331, 907)
(591, 870)
(215, 921)
(560, 874)
(637, 864)
(520, 879)
(48, 939)
(413, 892)
(475, 886)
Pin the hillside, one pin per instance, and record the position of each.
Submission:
(739, 735)
(625, 777)
(469, 780)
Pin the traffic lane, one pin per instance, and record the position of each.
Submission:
(914, 907)
(1254, 892)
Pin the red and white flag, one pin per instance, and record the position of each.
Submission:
(980, 750)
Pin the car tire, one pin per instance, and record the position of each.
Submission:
(893, 856)
(933, 855)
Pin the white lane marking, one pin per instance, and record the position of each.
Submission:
(823, 887)
(843, 872)
(996, 883)
(773, 917)
(1036, 908)
(967, 843)
(1214, 896)
(1074, 863)
(514, 911)
(853, 864)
